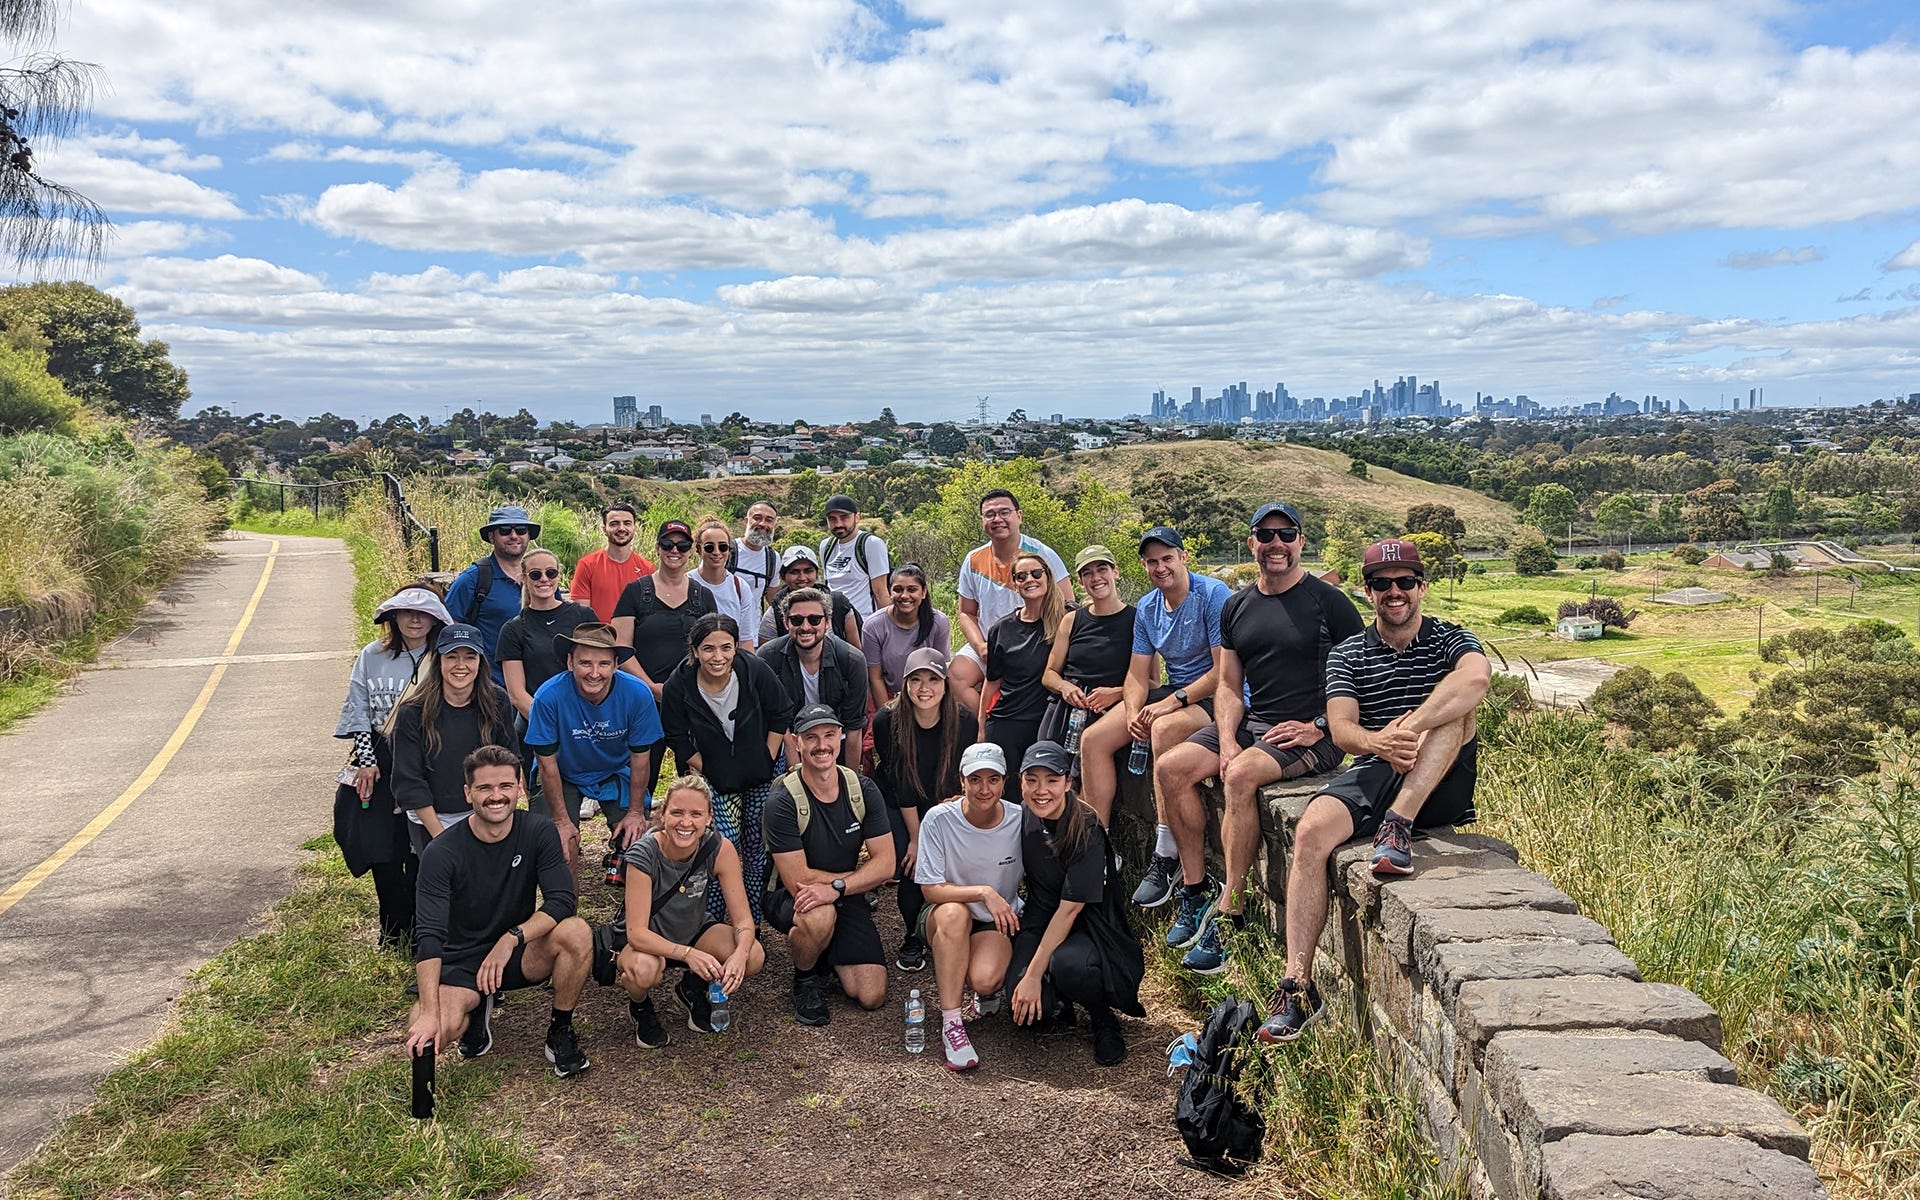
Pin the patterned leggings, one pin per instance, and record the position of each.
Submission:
(738, 816)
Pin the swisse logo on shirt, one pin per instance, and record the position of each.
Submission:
(854, 828)
(1007, 861)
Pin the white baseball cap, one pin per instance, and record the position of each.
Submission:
(983, 756)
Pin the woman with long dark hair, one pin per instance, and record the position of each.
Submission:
(917, 740)
(370, 828)
(726, 716)
(1075, 944)
(452, 709)
(1015, 698)
(909, 623)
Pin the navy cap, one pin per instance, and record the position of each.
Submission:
(1273, 507)
(456, 636)
(1047, 756)
(814, 715)
(1166, 534)
(842, 503)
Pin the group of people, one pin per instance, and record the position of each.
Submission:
(832, 738)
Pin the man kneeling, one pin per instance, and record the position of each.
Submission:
(1400, 697)
(479, 933)
(664, 923)
(817, 821)
(969, 874)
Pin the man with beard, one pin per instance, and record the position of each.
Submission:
(755, 563)
(600, 577)
(818, 668)
(1274, 640)
(487, 594)
(800, 568)
(1401, 698)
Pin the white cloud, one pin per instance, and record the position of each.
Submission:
(122, 185)
(1758, 260)
(139, 239)
(1906, 260)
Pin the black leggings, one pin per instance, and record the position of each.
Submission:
(1073, 973)
(1013, 737)
(393, 885)
(908, 892)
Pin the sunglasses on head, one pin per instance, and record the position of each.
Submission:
(1286, 533)
(1386, 583)
(549, 573)
(678, 547)
(807, 619)
(713, 547)
(1023, 576)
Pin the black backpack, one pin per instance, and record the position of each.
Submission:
(1222, 1134)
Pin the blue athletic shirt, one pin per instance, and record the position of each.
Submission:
(591, 742)
(1184, 638)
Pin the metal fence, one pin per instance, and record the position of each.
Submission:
(411, 526)
(276, 495)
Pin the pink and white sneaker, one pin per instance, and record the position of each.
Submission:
(961, 1055)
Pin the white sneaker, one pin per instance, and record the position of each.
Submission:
(589, 809)
(986, 1006)
(961, 1055)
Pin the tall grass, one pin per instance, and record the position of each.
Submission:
(1791, 909)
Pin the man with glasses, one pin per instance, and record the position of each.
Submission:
(600, 577)
(487, 594)
(800, 568)
(755, 563)
(987, 592)
(818, 668)
(1275, 637)
(1401, 698)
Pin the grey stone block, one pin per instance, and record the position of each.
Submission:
(1436, 927)
(1454, 963)
(1511, 1055)
(1546, 1106)
(1488, 1007)
(1670, 1167)
(1433, 859)
(1481, 881)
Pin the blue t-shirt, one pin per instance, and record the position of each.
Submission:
(1184, 638)
(503, 605)
(590, 742)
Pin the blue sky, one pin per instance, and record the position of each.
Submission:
(819, 207)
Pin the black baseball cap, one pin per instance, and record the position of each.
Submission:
(1166, 534)
(1047, 756)
(1273, 507)
(814, 715)
(456, 636)
(842, 503)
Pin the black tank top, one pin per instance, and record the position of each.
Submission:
(1100, 648)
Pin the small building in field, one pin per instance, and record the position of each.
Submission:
(1579, 629)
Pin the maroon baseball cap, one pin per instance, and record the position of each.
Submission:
(1391, 552)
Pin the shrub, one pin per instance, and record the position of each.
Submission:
(1532, 556)
(1586, 562)
(1604, 609)
(1661, 712)
(1523, 614)
(1613, 560)
(1690, 554)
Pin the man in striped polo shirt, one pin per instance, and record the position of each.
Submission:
(1400, 698)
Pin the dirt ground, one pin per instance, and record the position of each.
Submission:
(772, 1107)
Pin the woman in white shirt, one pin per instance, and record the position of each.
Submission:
(713, 541)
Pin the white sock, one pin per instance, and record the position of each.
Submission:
(1163, 843)
(950, 1016)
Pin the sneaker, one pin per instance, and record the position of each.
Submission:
(1294, 1006)
(1109, 1044)
(1209, 954)
(961, 1056)
(810, 1000)
(563, 1051)
(913, 954)
(478, 1039)
(1393, 846)
(986, 1006)
(1195, 912)
(1062, 1018)
(648, 1033)
(691, 991)
(1163, 875)
(589, 809)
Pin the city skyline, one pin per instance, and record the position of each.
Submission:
(830, 208)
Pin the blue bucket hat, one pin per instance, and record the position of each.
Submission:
(509, 514)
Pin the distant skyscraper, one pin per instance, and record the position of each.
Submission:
(625, 411)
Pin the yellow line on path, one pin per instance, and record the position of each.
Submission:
(94, 828)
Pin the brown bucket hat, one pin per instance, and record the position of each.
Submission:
(594, 634)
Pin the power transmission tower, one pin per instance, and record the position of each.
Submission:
(981, 408)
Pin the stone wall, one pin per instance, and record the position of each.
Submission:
(1539, 1058)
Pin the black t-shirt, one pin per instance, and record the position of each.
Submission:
(1100, 649)
(528, 640)
(425, 779)
(1081, 879)
(1283, 642)
(660, 631)
(471, 892)
(833, 839)
(1017, 656)
(927, 787)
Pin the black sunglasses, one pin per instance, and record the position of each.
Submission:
(522, 530)
(676, 547)
(1286, 533)
(549, 573)
(1023, 576)
(1386, 583)
(807, 619)
(711, 547)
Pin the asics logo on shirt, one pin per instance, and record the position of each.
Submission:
(514, 863)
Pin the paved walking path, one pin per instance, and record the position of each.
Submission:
(221, 702)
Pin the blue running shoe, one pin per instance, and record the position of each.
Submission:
(1196, 909)
(1209, 954)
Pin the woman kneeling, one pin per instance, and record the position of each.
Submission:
(670, 871)
(969, 876)
(1075, 945)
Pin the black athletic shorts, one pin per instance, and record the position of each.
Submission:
(1368, 787)
(465, 973)
(1157, 694)
(605, 951)
(856, 940)
(1295, 761)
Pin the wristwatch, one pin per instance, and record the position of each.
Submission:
(519, 935)
(1180, 694)
(1320, 723)
(840, 886)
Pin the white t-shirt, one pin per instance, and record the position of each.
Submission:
(732, 597)
(988, 582)
(751, 572)
(954, 850)
(844, 574)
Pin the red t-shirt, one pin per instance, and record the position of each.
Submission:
(598, 580)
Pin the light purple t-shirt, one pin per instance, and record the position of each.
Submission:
(885, 645)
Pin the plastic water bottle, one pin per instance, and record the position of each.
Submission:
(718, 1018)
(1075, 723)
(1137, 760)
(916, 1022)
